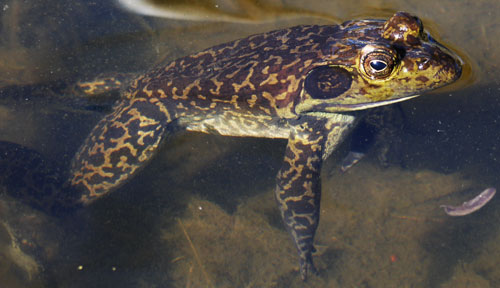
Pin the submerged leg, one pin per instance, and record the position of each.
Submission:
(120, 144)
(28, 176)
(298, 189)
(377, 131)
(298, 193)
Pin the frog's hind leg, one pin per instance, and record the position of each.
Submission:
(298, 189)
(298, 193)
(118, 146)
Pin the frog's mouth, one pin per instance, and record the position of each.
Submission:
(339, 107)
(368, 105)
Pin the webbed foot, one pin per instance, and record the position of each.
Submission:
(307, 267)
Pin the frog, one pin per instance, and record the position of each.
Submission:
(309, 84)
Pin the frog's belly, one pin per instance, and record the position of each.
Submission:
(239, 125)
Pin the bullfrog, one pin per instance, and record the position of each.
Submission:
(310, 84)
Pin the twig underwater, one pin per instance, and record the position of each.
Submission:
(472, 205)
(195, 253)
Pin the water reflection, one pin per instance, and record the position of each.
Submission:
(243, 11)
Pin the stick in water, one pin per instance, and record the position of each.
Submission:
(472, 205)
(350, 160)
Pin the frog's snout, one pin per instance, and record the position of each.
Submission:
(447, 58)
(452, 64)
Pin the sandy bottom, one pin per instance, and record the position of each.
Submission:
(379, 228)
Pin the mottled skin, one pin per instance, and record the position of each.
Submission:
(306, 83)
(101, 85)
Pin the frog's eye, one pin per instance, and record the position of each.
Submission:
(378, 64)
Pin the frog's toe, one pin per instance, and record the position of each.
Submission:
(307, 267)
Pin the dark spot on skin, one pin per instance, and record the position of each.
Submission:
(362, 91)
(422, 79)
(406, 79)
(327, 82)
(400, 50)
(247, 67)
(412, 40)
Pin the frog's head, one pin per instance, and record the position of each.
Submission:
(373, 63)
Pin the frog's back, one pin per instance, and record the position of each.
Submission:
(230, 76)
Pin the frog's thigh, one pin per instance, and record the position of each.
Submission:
(121, 143)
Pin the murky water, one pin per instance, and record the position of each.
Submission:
(202, 214)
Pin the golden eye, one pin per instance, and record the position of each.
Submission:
(378, 64)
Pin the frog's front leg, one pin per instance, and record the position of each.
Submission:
(298, 190)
